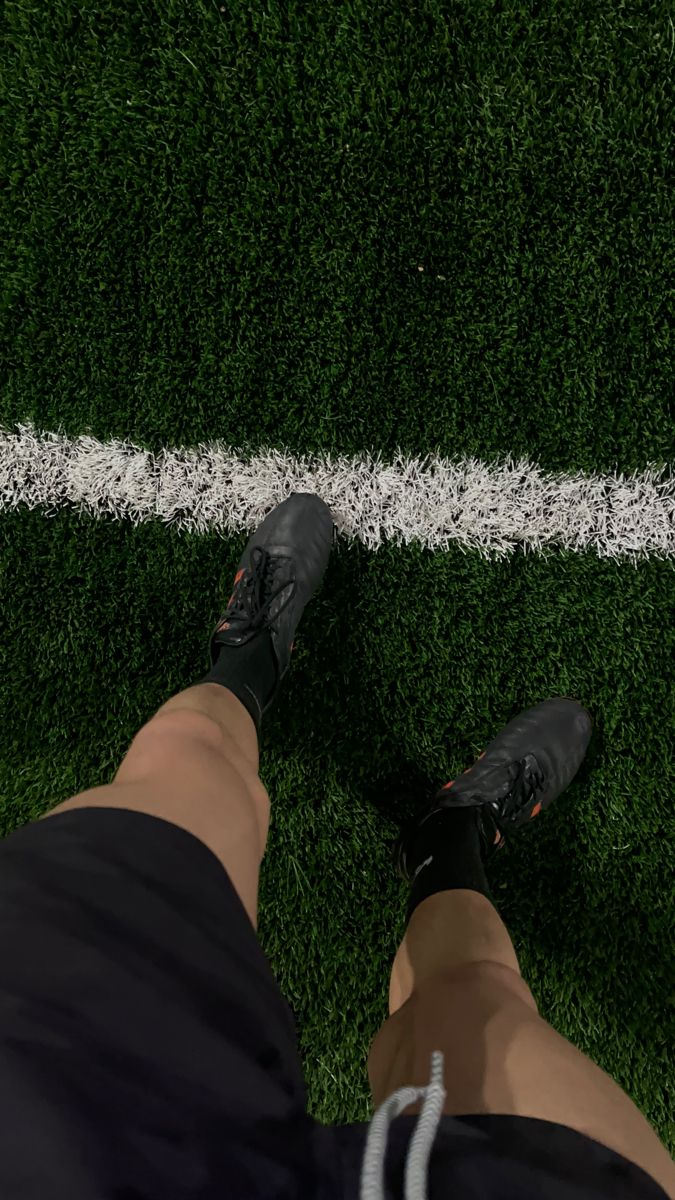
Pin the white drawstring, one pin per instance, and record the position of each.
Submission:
(419, 1150)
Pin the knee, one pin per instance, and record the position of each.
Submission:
(173, 739)
(487, 977)
(182, 727)
(452, 1009)
(482, 989)
(182, 748)
(182, 740)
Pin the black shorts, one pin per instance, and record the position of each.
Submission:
(146, 1051)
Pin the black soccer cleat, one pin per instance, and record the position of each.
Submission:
(279, 572)
(527, 766)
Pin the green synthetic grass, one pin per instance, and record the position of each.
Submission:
(215, 223)
(406, 664)
(213, 228)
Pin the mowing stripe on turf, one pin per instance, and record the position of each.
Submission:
(489, 507)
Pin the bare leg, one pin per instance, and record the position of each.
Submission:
(456, 987)
(196, 764)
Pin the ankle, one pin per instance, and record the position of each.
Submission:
(247, 671)
(445, 854)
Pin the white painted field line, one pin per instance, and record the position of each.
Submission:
(490, 507)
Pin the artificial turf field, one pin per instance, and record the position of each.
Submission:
(213, 228)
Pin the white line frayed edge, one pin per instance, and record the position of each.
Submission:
(493, 508)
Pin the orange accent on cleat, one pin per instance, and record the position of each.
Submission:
(234, 591)
(225, 625)
(536, 810)
(446, 786)
(499, 841)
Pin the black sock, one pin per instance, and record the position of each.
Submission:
(249, 671)
(445, 855)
